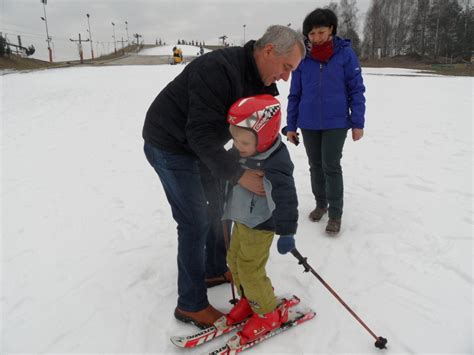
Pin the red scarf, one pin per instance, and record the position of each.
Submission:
(323, 52)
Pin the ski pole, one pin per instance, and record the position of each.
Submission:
(380, 341)
(234, 300)
(221, 198)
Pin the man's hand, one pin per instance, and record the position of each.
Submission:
(252, 180)
(357, 133)
(293, 137)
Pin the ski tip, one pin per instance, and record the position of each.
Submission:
(178, 341)
(224, 350)
(311, 314)
(307, 314)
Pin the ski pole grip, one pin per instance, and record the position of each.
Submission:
(297, 255)
(301, 260)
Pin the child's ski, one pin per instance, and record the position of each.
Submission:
(219, 328)
(190, 341)
(295, 318)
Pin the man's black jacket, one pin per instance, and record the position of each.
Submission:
(189, 116)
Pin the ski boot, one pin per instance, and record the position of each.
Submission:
(260, 324)
(240, 312)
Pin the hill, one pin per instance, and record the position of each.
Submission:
(410, 61)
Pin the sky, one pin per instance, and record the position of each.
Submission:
(199, 20)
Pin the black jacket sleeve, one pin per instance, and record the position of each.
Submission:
(210, 92)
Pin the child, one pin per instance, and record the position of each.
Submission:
(254, 126)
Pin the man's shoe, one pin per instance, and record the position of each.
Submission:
(317, 214)
(226, 277)
(202, 319)
(333, 226)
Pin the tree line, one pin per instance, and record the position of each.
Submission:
(434, 28)
(191, 43)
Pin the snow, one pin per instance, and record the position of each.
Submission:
(188, 50)
(89, 244)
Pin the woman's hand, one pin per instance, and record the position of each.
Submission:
(293, 137)
(357, 133)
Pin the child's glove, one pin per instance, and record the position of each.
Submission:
(286, 243)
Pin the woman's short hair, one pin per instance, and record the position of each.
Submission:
(320, 18)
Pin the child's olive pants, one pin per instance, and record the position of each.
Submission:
(247, 256)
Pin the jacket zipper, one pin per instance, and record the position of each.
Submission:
(320, 98)
(252, 203)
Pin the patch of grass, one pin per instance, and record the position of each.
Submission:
(18, 63)
(458, 69)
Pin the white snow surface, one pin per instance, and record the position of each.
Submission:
(89, 244)
(189, 51)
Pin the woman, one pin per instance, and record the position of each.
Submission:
(326, 99)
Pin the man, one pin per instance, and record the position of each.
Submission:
(185, 132)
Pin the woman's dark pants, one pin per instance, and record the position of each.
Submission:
(324, 151)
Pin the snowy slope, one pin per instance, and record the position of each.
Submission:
(188, 51)
(89, 245)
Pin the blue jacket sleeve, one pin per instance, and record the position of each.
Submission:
(279, 171)
(355, 89)
(294, 100)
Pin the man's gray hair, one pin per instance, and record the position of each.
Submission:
(283, 39)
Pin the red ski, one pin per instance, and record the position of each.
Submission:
(295, 318)
(219, 328)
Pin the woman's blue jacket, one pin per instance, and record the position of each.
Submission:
(327, 95)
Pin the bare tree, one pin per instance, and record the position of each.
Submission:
(466, 29)
(372, 44)
(348, 22)
(427, 27)
(334, 7)
(445, 17)
(3, 46)
(347, 16)
(401, 30)
(418, 27)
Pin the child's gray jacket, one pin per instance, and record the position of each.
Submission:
(278, 210)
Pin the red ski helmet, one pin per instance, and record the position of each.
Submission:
(261, 114)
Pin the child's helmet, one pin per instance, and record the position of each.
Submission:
(259, 113)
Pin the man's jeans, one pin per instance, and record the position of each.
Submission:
(201, 250)
(324, 151)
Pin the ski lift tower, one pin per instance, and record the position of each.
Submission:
(224, 37)
(48, 39)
